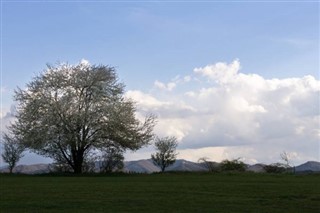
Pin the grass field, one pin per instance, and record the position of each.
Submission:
(172, 192)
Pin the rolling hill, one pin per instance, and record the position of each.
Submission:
(146, 166)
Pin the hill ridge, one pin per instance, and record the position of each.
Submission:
(147, 166)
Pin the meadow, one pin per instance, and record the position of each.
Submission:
(169, 192)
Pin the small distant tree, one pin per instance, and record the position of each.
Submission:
(275, 168)
(282, 167)
(209, 165)
(286, 158)
(166, 152)
(112, 159)
(233, 165)
(12, 151)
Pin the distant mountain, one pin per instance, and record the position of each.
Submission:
(184, 165)
(310, 166)
(147, 166)
(140, 166)
(28, 169)
(256, 168)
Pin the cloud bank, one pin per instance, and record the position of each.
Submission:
(234, 114)
(219, 112)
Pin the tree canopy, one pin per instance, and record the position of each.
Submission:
(68, 111)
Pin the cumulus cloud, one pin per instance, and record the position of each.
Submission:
(220, 72)
(6, 118)
(172, 84)
(169, 86)
(245, 114)
(85, 62)
(145, 101)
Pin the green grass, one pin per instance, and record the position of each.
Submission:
(172, 192)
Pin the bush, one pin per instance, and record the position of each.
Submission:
(111, 160)
(276, 168)
(233, 165)
(209, 165)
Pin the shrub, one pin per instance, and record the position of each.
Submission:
(233, 165)
(276, 168)
(209, 165)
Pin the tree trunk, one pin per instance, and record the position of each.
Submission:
(11, 166)
(78, 168)
(77, 161)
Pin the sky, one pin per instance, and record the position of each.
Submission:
(229, 79)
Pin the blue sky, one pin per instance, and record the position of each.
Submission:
(158, 41)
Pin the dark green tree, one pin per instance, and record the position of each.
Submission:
(233, 165)
(275, 168)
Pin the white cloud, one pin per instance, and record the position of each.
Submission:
(221, 72)
(187, 78)
(84, 62)
(169, 86)
(145, 101)
(258, 117)
(173, 83)
(6, 118)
